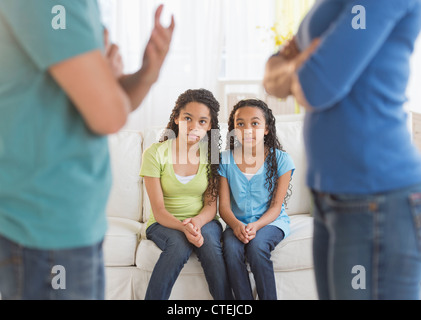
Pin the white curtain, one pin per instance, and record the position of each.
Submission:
(247, 37)
(213, 39)
(194, 58)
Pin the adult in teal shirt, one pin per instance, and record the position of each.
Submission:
(349, 64)
(58, 100)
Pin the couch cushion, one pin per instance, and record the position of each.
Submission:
(148, 254)
(125, 199)
(296, 251)
(121, 241)
(151, 136)
(289, 129)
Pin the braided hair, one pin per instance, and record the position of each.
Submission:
(213, 136)
(271, 143)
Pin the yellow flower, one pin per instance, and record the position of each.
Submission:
(280, 35)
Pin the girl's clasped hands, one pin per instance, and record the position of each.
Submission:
(245, 233)
(192, 232)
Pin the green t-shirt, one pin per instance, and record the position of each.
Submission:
(181, 200)
(54, 172)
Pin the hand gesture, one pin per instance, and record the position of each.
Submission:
(282, 68)
(112, 54)
(156, 49)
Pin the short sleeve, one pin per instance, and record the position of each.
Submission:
(151, 166)
(32, 25)
(223, 166)
(222, 170)
(285, 163)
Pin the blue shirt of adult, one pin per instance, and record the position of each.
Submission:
(250, 198)
(357, 139)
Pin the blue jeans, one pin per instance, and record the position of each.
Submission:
(32, 274)
(176, 251)
(368, 246)
(257, 253)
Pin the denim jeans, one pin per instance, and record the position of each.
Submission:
(176, 251)
(368, 246)
(257, 253)
(33, 274)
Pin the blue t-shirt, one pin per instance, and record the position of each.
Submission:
(357, 139)
(250, 198)
(54, 172)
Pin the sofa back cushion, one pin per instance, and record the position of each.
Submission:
(126, 197)
(290, 133)
(151, 135)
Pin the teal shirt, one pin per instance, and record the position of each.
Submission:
(54, 172)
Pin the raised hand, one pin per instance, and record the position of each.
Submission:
(157, 48)
(113, 56)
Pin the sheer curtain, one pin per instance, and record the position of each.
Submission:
(213, 39)
(195, 57)
(247, 38)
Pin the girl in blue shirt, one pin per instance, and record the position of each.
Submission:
(255, 180)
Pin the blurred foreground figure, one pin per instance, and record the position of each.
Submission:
(349, 65)
(61, 93)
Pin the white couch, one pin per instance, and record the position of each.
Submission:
(130, 257)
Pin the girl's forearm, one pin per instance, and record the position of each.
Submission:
(204, 217)
(228, 216)
(166, 219)
(207, 214)
(267, 218)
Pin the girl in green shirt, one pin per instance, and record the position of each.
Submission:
(181, 178)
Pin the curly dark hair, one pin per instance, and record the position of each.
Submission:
(213, 136)
(271, 142)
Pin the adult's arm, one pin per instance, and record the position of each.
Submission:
(104, 101)
(281, 78)
(344, 53)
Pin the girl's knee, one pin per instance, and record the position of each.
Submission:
(233, 250)
(179, 245)
(258, 249)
